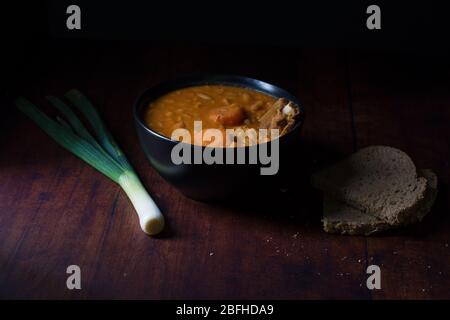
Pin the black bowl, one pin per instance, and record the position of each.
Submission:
(209, 182)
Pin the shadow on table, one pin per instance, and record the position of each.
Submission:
(289, 194)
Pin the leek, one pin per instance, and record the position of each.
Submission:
(103, 154)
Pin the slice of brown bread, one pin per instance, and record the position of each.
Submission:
(341, 218)
(379, 180)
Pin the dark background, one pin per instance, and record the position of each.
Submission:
(359, 87)
(417, 31)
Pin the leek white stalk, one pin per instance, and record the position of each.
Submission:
(150, 217)
(104, 154)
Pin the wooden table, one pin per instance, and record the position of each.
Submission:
(56, 211)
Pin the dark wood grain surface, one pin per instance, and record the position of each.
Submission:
(56, 211)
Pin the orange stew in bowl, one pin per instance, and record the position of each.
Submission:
(219, 107)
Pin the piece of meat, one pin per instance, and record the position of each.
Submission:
(231, 115)
(281, 115)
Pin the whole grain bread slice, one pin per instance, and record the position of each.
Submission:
(377, 180)
(344, 219)
(341, 218)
